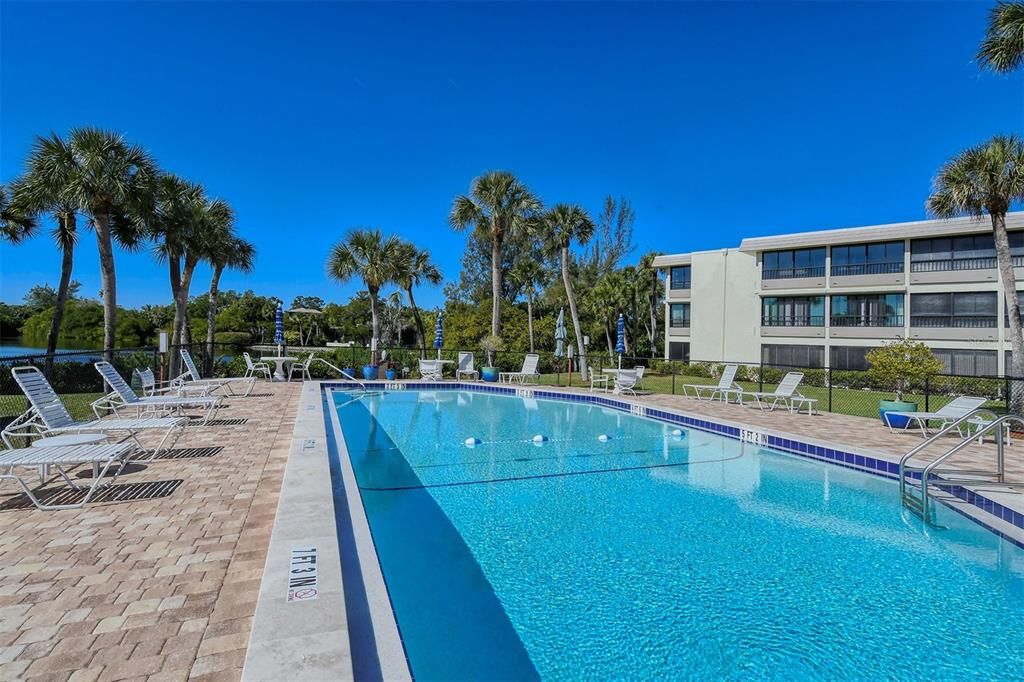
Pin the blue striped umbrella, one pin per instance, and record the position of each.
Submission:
(279, 326)
(620, 343)
(439, 335)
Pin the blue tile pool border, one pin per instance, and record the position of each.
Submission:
(843, 458)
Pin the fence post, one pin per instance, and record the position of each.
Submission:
(672, 369)
(927, 393)
(760, 376)
(830, 388)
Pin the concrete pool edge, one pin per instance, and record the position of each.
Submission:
(302, 640)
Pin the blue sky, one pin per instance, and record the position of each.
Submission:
(717, 121)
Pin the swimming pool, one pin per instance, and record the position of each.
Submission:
(657, 554)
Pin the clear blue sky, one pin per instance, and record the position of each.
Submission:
(717, 121)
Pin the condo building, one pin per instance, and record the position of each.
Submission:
(824, 298)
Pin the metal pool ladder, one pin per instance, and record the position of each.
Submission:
(916, 481)
(347, 376)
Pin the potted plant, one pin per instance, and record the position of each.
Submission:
(392, 371)
(370, 371)
(491, 344)
(901, 364)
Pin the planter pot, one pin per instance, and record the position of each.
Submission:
(351, 371)
(489, 373)
(391, 374)
(370, 372)
(895, 406)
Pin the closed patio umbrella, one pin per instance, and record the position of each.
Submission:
(560, 334)
(439, 335)
(279, 327)
(620, 342)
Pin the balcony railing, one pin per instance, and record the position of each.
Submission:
(954, 321)
(867, 320)
(679, 324)
(793, 273)
(867, 269)
(793, 321)
(676, 286)
(948, 264)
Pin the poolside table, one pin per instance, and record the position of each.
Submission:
(279, 360)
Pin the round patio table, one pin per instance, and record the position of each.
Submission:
(279, 360)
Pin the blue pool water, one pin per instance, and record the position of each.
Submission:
(656, 556)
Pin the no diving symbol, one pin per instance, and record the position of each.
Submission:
(303, 594)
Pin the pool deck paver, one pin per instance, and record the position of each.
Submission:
(157, 589)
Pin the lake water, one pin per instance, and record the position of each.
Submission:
(14, 349)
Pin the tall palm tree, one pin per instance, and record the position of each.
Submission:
(369, 255)
(414, 267)
(16, 223)
(561, 226)
(1002, 49)
(497, 207)
(225, 251)
(529, 275)
(653, 294)
(605, 301)
(110, 181)
(176, 228)
(40, 190)
(988, 179)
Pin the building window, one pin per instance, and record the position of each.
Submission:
(793, 264)
(882, 258)
(678, 350)
(966, 252)
(968, 310)
(972, 363)
(849, 357)
(793, 311)
(680, 277)
(867, 310)
(781, 355)
(679, 315)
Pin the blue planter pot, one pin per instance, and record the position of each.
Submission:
(489, 373)
(351, 371)
(370, 372)
(391, 374)
(897, 422)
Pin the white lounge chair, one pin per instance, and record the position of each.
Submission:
(726, 386)
(123, 396)
(431, 370)
(101, 456)
(151, 389)
(528, 372)
(785, 394)
(597, 379)
(625, 381)
(255, 368)
(193, 377)
(47, 415)
(302, 368)
(465, 367)
(947, 414)
(640, 369)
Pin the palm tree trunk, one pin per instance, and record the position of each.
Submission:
(420, 333)
(572, 311)
(186, 284)
(174, 271)
(211, 317)
(108, 280)
(529, 314)
(67, 261)
(608, 337)
(1009, 281)
(496, 243)
(374, 323)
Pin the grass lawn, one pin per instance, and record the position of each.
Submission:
(857, 402)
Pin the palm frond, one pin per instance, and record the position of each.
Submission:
(1002, 49)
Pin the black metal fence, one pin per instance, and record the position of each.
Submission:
(849, 392)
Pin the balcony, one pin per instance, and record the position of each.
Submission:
(954, 321)
(867, 321)
(793, 321)
(857, 269)
(794, 273)
(867, 326)
(956, 264)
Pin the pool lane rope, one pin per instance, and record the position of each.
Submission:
(540, 439)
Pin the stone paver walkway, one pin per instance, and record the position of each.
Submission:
(156, 587)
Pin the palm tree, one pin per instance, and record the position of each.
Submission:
(563, 225)
(413, 268)
(110, 181)
(225, 251)
(372, 257)
(653, 295)
(40, 190)
(1002, 49)
(529, 275)
(497, 207)
(605, 301)
(16, 224)
(988, 179)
